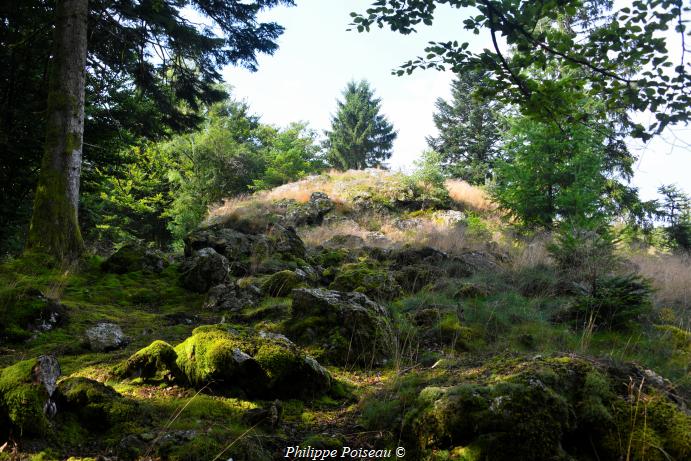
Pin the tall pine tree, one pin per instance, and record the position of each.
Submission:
(360, 136)
(469, 130)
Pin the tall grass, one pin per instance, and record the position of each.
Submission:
(471, 197)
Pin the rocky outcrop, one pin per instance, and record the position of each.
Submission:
(106, 336)
(204, 270)
(311, 212)
(346, 327)
(230, 297)
(273, 249)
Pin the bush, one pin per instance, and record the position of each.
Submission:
(614, 303)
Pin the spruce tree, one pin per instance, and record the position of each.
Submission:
(360, 136)
(469, 130)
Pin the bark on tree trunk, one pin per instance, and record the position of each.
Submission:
(54, 224)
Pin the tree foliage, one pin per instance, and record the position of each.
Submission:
(360, 137)
(558, 172)
(165, 189)
(621, 56)
(469, 130)
(151, 66)
(675, 211)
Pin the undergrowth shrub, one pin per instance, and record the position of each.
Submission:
(615, 303)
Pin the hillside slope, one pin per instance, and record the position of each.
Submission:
(350, 311)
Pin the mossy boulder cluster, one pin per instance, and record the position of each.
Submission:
(560, 408)
(233, 361)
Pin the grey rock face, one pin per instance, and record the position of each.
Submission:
(230, 297)
(46, 373)
(106, 337)
(204, 270)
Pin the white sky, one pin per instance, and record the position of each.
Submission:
(317, 57)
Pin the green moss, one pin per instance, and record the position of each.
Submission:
(54, 228)
(680, 339)
(332, 257)
(97, 406)
(22, 400)
(367, 277)
(323, 442)
(281, 283)
(249, 364)
(556, 408)
(207, 358)
(156, 362)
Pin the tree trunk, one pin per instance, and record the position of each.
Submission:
(54, 223)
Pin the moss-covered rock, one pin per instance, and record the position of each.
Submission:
(134, 257)
(348, 327)
(239, 361)
(25, 396)
(556, 408)
(367, 277)
(281, 283)
(413, 278)
(96, 406)
(156, 362)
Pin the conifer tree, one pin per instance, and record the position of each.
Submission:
(360, 136)
(469, 131)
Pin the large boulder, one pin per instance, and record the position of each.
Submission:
(231, 297)
(95, 405)
(367, 276)
(204, 270)
(231, 243)
(133, 257)
(239, 361)
(344, 327)
(106, 336)
(26, 395)
(155, 363)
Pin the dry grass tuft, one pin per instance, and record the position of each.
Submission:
(671, 276)
(470, 197)
(527, 254)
